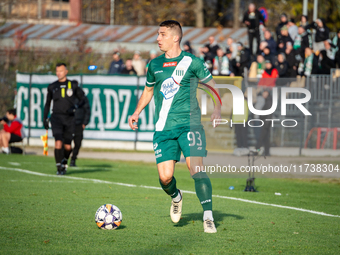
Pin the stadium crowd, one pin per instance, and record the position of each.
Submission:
(290, 51)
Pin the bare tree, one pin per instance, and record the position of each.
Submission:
(199, 13)
(236, 24)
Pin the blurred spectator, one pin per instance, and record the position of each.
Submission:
(153, 54)
(336, 43)
(281, 65)
(232, 63)
(207, 57)
(321, 35)
(241, 130)
(212, 46)
(232, 46)
(128, 68)
(304, 21)
(12, 132)
(187, 47)
(138, 63)
(282, 41)
(117, 64)
(257, 67)
(264, 139)
(310, 65)
(269, 75)
(292, 62)
(267, 54)
(242, 59)
(292, 29)
(252, 19)
(220, 64)
(327, 58)
(271, 44)
(283, 22)
(302, 41)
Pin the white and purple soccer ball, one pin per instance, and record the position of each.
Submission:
(108, 217)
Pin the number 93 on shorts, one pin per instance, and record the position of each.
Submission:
(168, 144)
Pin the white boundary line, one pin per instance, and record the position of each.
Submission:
(159, 188)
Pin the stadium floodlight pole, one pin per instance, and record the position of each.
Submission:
(315, 10)
(112, 12)
(305, 7)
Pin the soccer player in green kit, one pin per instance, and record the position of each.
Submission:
(172, 80)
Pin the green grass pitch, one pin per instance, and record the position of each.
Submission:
(55, 215)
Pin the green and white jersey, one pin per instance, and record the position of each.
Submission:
(175, 82)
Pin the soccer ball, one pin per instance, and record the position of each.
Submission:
(108, 216)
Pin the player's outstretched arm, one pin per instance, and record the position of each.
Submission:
(143, 101)
(217, 110)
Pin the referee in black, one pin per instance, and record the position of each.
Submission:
(65, 94)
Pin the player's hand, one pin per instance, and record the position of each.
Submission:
(2, 122)
(46, 124)
(133, 120)
(83, 126)
(216, 115)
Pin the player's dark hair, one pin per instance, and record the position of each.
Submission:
(173, 24)
(12, 111)
(61, 64)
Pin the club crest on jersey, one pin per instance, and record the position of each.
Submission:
(169, 88)
(69, 92)
(167, 64)
(179, 72)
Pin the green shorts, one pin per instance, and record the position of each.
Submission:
(169, 144)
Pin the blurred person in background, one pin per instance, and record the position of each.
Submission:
(153, 54)
(207, 57)
(12, 132)
(187, 48)
(271, 44)
(221, 64)
(252, 19)
(82, 118)
(232, 46)
(304, 21)
(292, 29)
(128, 68)
(302, 41)
(257, 67)
(264, 139)
(327, 58)
(281, 65)
(232, 63)
(310, 64)
(282, 41)
(321, 34)
(243, 59)
(336, 43)
(283, 22)
(117, 64)
(292, 61)
(269, 75)
(212, 46)
(267, 54)
(138, 63)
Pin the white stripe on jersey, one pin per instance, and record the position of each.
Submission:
(166, 103)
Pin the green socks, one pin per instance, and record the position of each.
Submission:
(171, 188)
(203, 190)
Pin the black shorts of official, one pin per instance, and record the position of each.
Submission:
(63, 127)
(15, 138)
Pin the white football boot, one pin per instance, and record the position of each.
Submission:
(209, 226)
(176, 209)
